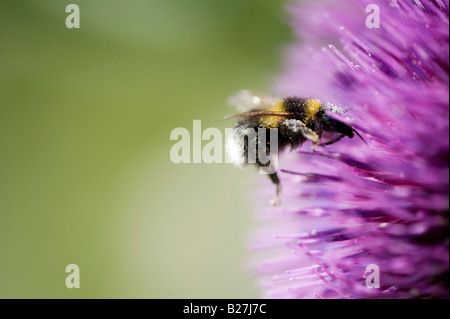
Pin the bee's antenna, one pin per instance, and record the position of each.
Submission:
(359, 135)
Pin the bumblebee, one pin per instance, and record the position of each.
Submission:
(297, 119)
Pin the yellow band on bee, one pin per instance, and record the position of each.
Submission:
(272, 121)
(312, 107)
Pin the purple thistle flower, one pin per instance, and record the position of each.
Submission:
(349, 205)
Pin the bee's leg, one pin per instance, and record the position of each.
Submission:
(333, 140)
(274, 178)
(310, 135)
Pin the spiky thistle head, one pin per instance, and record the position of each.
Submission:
(349, 206)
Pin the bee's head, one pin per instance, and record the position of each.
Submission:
(331, 125)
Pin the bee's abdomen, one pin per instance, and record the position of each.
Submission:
(245, 135)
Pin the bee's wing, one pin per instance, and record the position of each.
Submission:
(247, 100)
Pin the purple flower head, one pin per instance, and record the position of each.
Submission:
(349, 206)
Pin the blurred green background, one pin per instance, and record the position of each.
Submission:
(85, 172)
